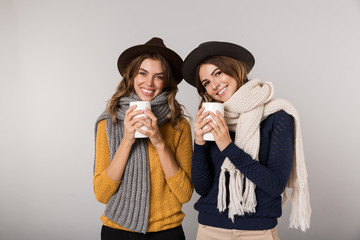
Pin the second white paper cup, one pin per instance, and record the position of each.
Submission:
(212, 107)
(141, 105)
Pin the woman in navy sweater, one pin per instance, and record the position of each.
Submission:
(240, 176)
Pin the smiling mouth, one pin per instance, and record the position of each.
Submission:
(221, 93)
(147, 92)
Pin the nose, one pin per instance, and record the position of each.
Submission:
(149, 80)
(215, 84)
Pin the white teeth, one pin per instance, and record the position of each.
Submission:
(221, 91)
(147, 91)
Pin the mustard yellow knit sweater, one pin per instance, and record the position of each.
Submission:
(166, 194)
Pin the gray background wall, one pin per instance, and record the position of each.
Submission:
(58, 69)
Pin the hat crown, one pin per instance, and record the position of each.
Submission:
(155, 41)
(208, 43)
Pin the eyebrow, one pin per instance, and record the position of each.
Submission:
(212, 73)
(161, 73)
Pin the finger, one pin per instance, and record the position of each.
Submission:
(214, 126)
(134, 126)
(130, 109)
(206, 129)
(136, 119)
(204, 123)
(216, 119)
(214, 133)
(131, 115)
(151, 115)
(136, 112)
(145, 123)
(204, 115)
(147, 133)
(201, 110)
(221, 117)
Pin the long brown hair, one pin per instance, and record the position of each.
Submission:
(227, 65)
(126, 87)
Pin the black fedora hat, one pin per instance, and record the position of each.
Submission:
(154, 45)
(214, 48)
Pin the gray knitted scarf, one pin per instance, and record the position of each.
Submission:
(129, 206)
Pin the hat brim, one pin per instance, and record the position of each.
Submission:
(175, 61)
(210, 49)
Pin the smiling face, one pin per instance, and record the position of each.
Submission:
(218, 85)
(149, 81)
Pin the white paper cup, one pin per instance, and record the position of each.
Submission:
(141, 105)
(212, 107)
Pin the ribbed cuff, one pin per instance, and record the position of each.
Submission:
(109, 181)
(176, 177)
(232, 151)
(200, 147)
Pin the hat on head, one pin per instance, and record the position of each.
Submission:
(154, 45)
(213, 48)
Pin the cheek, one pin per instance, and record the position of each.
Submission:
(137, 82)
(209, 91)
(236, 86)
(160, 85)
(233, 84)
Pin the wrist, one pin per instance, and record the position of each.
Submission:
(224, 145)
(127, 143)
(160, 146)
(201, 142)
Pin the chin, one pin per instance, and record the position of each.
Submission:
(148, 98)
(222, 99)
(225, 99)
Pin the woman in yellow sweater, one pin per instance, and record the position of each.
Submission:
(144, 181)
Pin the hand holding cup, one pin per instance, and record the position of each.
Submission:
(141, 105)
(212, 107)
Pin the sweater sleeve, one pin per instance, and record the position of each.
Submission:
(180, 183)
(273, 177)
(104, 187)
(201, 171)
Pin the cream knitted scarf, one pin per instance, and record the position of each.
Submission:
(244, 112)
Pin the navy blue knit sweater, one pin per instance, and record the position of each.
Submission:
(270, 175)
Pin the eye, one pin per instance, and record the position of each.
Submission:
(218, 73)
(206, 83)
(160, 77)
(142, 73)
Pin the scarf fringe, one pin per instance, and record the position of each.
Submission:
(301, 210)
(222, 192)
(250, 202)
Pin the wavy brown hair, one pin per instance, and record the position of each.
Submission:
(227, 65)
(126, 87)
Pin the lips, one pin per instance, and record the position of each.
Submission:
(147, 91)
(221, 93)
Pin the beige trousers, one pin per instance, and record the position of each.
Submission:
(213, 233)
